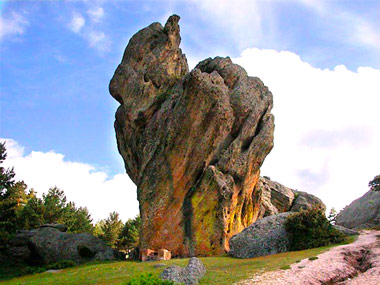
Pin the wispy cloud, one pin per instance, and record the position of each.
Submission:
(12, 25)
(77, 22)
(98, 40)
(96, 14)
(91, 32)
(347, 25)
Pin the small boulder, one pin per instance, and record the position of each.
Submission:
(346, 231)
(188, 275)
(264, 237)
(306, 201)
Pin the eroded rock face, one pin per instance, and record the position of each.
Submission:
(189, 275)
(48, 244)
(192, 142)
(361, 213)
(264, 237)
(277, 198)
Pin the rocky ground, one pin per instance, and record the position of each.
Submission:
(356, 263)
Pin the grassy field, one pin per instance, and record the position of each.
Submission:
(220, 270)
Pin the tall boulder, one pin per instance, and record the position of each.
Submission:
(361, 213)
(192, 142)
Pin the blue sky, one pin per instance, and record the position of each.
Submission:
(57, 57)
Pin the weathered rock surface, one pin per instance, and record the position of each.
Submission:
(361, 213)
(345, 231)
(188, 275)
(264, 237)
(306, 201)
(48, 245)
(192, 142)
(277, 198)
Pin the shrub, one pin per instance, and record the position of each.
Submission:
(311, 228)
(60, 265)
(148, 279)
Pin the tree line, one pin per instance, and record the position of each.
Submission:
(20, 208)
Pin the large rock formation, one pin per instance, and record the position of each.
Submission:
(49, 244)
(361, 213)
(192, 142)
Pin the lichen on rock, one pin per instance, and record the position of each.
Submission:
(193, 142)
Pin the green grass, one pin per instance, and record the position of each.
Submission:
(220, 270)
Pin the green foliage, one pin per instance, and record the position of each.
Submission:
(60, 265)
(374, 184)
(55, 204)
(12, 199)
(332, 216)
(77, 220)
(313, 258)
(129, 235)
(310, 229)
(111, 228)
(148, 279)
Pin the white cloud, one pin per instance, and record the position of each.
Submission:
(77, 22)
(99, 40)
(13, 24)
(96, 14)
(240, 18)
(327, 135)
(83, 184)
(95, 38)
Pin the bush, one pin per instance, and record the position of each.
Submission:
(311, 228)
(148, 279)
(60, 265)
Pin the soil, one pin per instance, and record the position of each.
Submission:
(356, 263)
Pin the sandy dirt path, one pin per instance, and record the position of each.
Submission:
(356, 263)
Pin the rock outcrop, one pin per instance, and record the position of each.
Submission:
(49, 244)
(277, 198)
(192, 142)
(361, 213)
(264, 237)
(189, 275)
(345, 231)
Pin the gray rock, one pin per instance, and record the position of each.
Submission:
(188, 275)
(62, 228)
(345, 231)
(275, 197)
(48, 245)
(306, 201)
(264, 237)
(361, 213)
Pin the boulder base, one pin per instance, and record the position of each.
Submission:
(264, 237)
